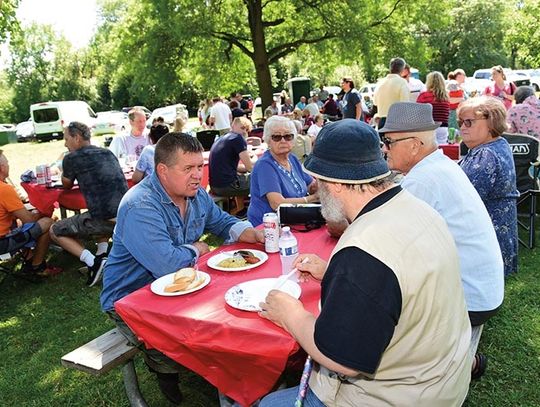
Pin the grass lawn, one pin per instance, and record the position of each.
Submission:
(39, 323)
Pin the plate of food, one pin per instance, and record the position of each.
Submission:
(247, 296)
(184, 281)
(237, 260)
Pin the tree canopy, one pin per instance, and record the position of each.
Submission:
(158, 52)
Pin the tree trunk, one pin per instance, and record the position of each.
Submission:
(259, 56)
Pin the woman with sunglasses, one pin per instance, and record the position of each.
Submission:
(490, 167)
(277, 176)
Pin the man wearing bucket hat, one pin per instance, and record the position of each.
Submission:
(393, 326)
(411, 147)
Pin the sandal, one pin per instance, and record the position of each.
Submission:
(480, 365)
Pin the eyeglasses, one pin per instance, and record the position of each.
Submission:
(388, 142)
(279, 137)
(468, 122)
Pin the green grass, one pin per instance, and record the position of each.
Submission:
(39, 323)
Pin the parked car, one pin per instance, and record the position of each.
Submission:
(50, 117)
(534, 77)
(367, 91)
(147, 112)
(110, 122)
(7, 126)
(25, 131)
(168, 113)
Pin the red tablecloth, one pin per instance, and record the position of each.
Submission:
(240, 353)
(46, 199)
(450, 150)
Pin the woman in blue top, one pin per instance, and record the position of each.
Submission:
(277, 176)
(490, 167)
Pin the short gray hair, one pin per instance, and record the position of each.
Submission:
(276, 122)
(522, 93)
(78, 128)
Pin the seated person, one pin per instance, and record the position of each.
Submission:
(330, 107)
(277, 176)
(315, 128)
(132, 143)
(102, 184)
(159, 227)
(35, 226)
(307, 120)
(145, 165)
(235, 109)
(225, 154)
(393, 327)
(524, 116)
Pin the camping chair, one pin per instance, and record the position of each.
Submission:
(256, 132)
(207, 138)
(253, 141)
(10, 260)
(525, 151)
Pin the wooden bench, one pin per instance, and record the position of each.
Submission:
(103, 354)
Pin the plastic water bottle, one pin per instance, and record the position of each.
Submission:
(288, 249)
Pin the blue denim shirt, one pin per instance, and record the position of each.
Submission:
(151, 239)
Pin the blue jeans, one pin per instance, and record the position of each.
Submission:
(286, 398)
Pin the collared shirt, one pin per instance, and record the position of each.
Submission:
(439, 182)
(151, 238)
(524, 118)
(391, 90)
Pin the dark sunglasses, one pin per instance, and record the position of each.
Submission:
(388, 142)
(279, 137)
(468, 122)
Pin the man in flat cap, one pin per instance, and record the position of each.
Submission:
(411, 147)
(393, 327)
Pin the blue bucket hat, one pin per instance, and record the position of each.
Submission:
(349, 152)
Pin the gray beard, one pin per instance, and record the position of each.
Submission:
(331, 208)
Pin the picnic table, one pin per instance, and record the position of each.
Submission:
(240, 353)
(45, 199)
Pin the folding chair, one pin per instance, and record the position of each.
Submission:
(10, 260)
(207, 138)
(525, 150)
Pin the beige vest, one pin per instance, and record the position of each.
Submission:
(426, 362)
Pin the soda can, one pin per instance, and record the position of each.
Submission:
(48, 176)
(271, 232)
(41, 174)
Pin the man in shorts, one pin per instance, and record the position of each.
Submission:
(103, 184)
(35, 226)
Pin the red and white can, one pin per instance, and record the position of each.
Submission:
(48, 175)
(41, 174)
(271, 232)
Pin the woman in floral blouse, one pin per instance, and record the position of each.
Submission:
(490, 167)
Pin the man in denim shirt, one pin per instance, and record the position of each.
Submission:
(158, 228)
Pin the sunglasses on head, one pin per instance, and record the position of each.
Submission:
(279, 137)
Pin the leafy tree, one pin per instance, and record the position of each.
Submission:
(8, 20)
(522, 38)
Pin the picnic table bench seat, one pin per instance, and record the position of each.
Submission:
(103, 354)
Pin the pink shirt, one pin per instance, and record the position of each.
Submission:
(524, 118)
(494, 90)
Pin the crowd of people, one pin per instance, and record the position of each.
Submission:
(420, 260)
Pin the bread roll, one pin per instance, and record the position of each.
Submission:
(182, 280)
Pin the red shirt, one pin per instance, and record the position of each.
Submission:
(441, 108)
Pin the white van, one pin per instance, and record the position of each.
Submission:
(50, 118)
(169, 114)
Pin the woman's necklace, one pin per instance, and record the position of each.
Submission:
(281, 163)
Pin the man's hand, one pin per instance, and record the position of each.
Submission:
(315, 266)
(202, 247)
(280, 306)
(252, 235)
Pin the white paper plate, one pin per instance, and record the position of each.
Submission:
(158, 286)
(214, 260)
(247, 296)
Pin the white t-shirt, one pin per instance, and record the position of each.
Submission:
(313, 109)
(314, 130)
(222, 115)
(127, 144)
(442, 184)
